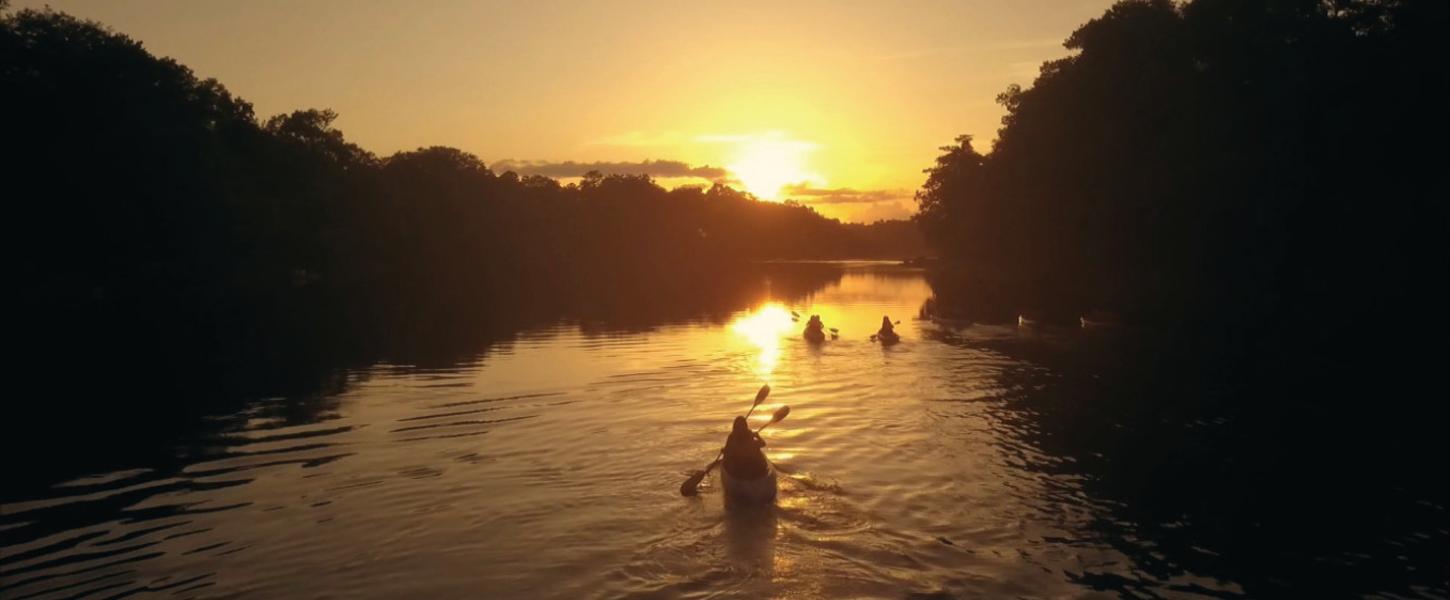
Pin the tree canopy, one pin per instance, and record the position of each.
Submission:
(1214, 159)
(145, 195)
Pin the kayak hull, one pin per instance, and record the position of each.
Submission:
(814, 337)
(888, 338)
(759, 490)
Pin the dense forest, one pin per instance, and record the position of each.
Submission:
(1262, 185)
(1252, 195)
(146, 180)
(147, 200)
(166, 237)
(1213, 159)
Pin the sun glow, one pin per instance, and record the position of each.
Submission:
(764, 328)
(766, 165)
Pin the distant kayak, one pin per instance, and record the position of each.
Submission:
(887, 334)
(815, 330)
(759, 490)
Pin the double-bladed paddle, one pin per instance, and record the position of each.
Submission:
(691, 486)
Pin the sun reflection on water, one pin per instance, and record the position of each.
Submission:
(764, 327)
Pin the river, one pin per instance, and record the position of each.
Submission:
(547, 465)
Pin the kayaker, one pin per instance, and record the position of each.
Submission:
(815, 329)
(887, 333)
(887, 330)
(743, 458)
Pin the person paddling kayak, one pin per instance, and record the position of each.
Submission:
(745, 474)
(815, 330)
(887, 333)
(743, 457)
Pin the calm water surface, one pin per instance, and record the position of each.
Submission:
(548, 467)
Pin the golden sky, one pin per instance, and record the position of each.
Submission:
(836, 104)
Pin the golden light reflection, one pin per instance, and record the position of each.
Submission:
(764, 328)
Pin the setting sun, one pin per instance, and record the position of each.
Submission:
(765, 166)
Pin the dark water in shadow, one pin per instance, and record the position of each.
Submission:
(970, 460)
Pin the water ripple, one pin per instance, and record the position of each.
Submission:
(941, 467)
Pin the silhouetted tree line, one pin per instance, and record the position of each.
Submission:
(899, 238)
(1256, 189)
(1218, 160)
(145, 199)
(172, 251)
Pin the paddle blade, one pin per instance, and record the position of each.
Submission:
(691, 486)
(780, 414)
(760, 395)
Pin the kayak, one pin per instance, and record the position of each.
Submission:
(760, 489)
(814, 335)
(888, 338)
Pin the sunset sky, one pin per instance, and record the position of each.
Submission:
(836, 104)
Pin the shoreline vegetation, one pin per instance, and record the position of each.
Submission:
(183, 249)
(1252, 196)
(148, 189)
(1202, 161)
(1258, 187)
(1212, 160)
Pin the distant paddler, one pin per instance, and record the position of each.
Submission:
(815, 330)
(887, 334)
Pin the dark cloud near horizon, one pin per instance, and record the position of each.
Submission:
(812, 195)
(653, 168)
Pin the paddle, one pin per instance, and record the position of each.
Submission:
(759, 396)
(779, 415)
(688, 487)
(691, 486)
